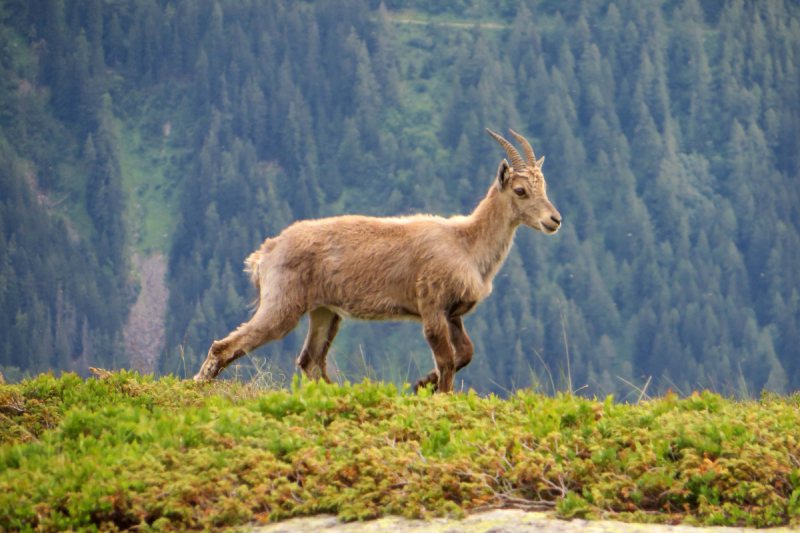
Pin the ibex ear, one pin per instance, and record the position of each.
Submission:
(503, 175)
(540, 162)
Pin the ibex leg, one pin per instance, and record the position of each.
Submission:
(461, 343)
(323, 325)
(431, 379)
(463, 352)
(270, 323)
(437, 333)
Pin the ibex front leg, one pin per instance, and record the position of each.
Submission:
(463, 352)
(437, 332)
(461, 343)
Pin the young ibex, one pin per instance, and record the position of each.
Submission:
(422, 267)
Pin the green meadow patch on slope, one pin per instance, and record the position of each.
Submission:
(152, 200)
(122, 450)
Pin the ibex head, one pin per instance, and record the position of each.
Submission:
(525, 188)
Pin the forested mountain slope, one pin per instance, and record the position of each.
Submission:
(670, 128)
(62, 266)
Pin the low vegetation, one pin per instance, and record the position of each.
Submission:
(121, 450)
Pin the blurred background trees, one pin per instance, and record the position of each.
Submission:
(671, 132)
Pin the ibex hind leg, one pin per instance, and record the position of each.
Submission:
(270, 323)
(323, 325)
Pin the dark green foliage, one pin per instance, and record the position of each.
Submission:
(121, 451)
(61, 282)
(57, 307)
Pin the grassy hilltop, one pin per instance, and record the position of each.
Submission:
(122, 450)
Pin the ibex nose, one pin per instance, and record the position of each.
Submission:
(557, 220)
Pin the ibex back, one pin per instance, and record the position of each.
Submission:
(424, 268)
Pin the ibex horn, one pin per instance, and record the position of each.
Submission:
(516, 160)
(527, 146)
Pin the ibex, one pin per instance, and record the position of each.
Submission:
(421, 267)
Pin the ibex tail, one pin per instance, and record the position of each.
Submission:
(252, 266)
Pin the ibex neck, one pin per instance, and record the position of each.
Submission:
(489, 233)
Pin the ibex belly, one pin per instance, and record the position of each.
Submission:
(395, 312)
(385, 313)
(462, 308)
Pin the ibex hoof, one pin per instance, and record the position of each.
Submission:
(208, 371)
(422, 383)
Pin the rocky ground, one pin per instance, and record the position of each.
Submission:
(498, 521)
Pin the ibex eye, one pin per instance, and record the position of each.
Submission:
(519, 191)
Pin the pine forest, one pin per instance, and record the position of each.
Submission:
(197, 128)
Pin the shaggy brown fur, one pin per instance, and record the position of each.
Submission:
(424, 268)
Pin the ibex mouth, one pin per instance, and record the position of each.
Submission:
(548, 230)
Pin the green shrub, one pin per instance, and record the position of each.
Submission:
(123, 450)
